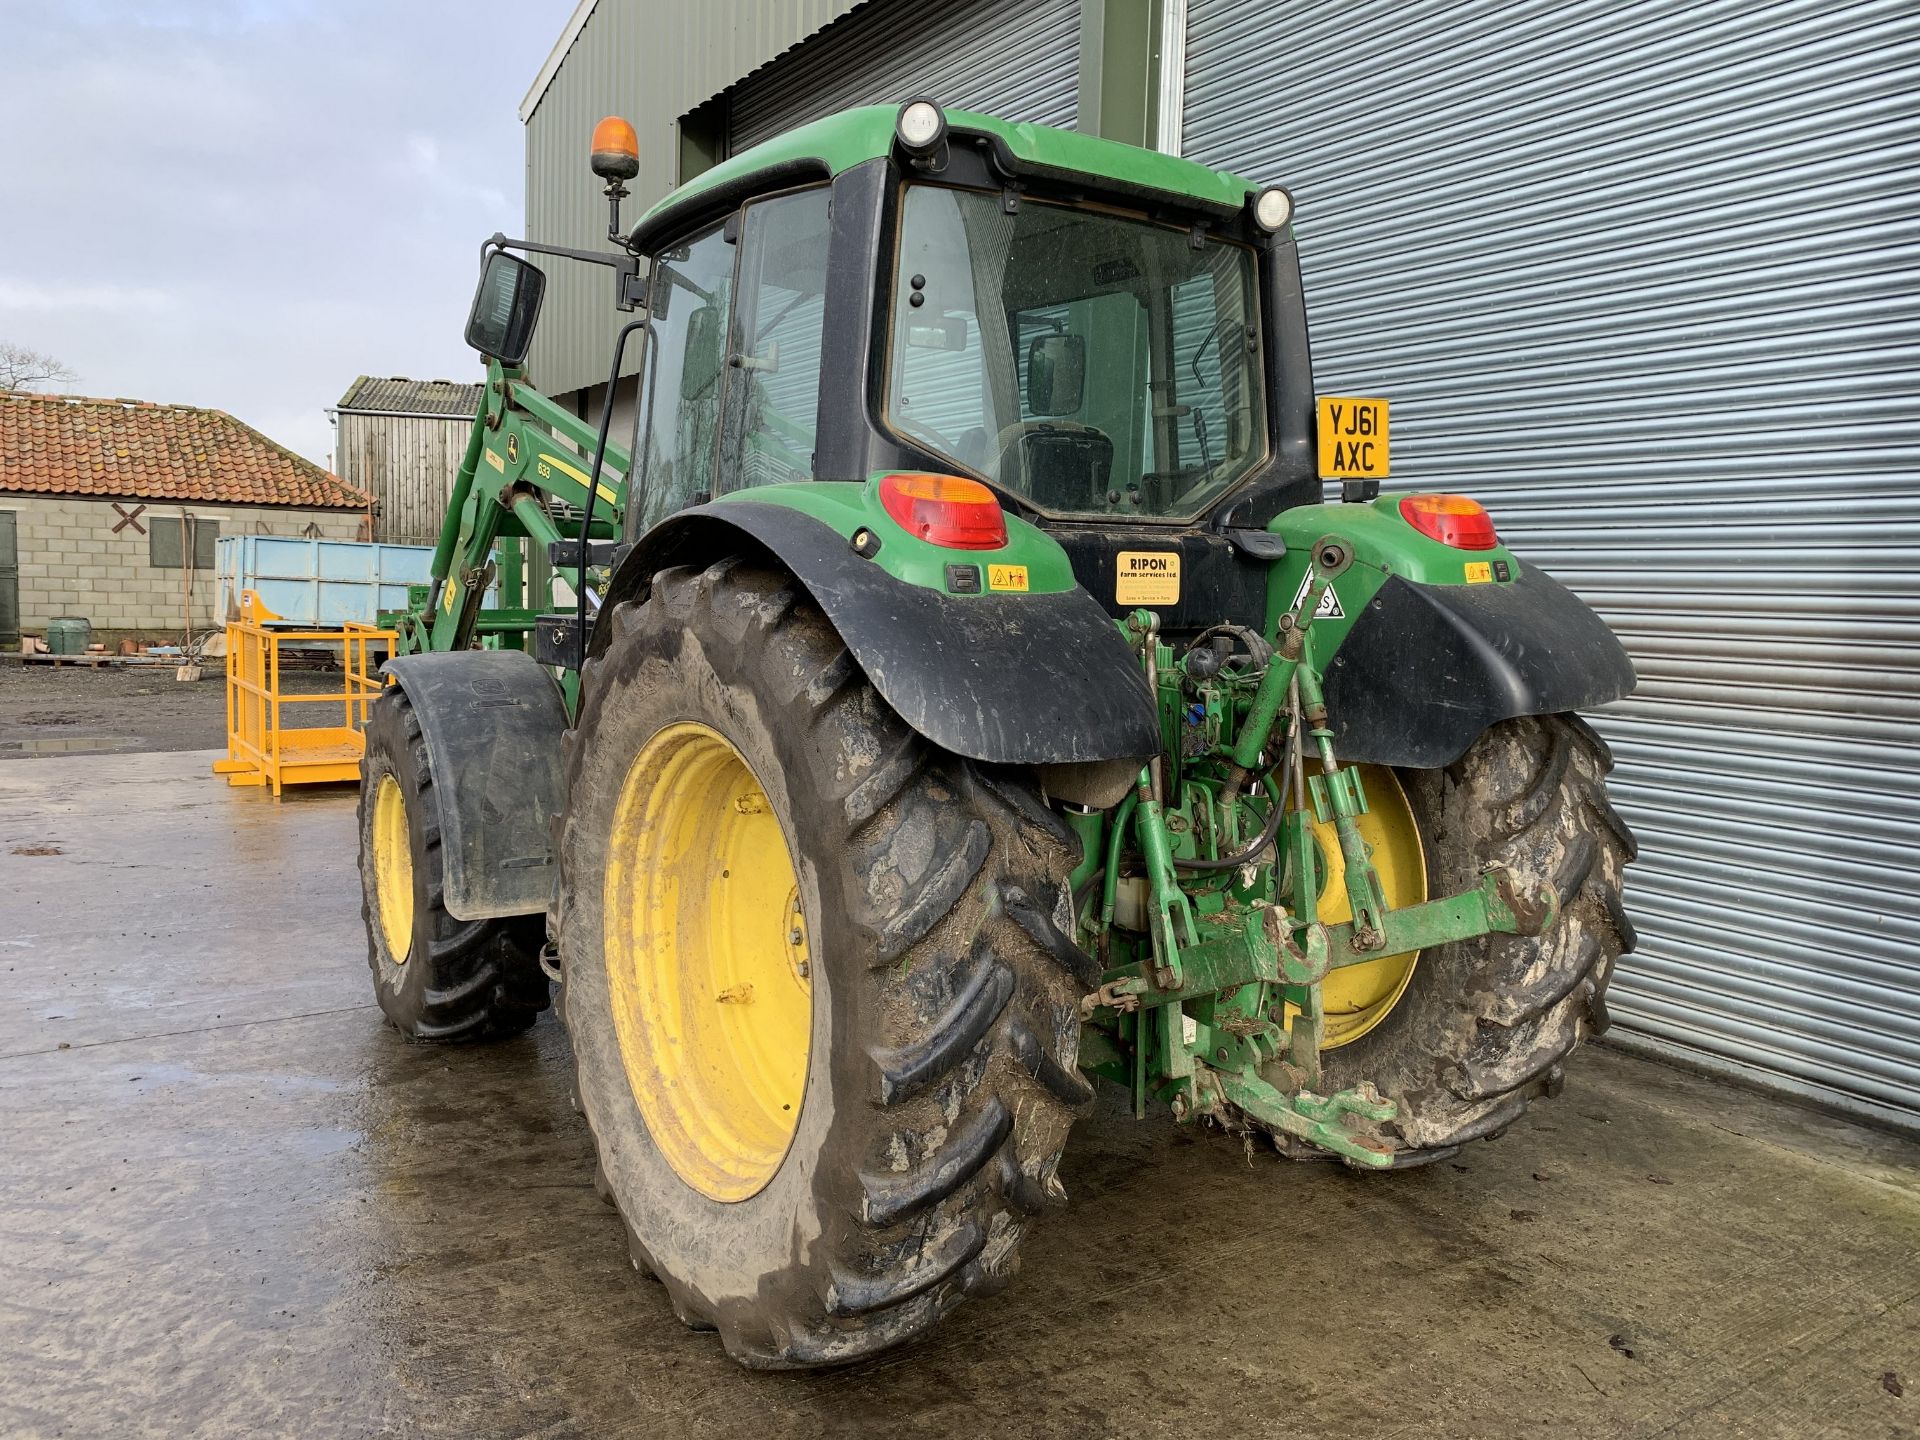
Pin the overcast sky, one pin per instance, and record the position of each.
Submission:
(246, 203)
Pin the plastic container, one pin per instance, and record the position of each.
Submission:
(69, 635)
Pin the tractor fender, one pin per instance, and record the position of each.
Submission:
(492, 722)
(1427, 668)
(1042, 680)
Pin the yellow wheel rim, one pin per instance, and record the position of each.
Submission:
(707, 961)
(393, 869)
(1359, 997)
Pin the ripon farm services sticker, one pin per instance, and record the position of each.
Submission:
(1147, 577)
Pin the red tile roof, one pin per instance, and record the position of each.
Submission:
(69, 445)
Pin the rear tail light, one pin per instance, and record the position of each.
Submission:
(1451, 519)
(945, 510)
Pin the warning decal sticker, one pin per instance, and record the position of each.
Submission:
(1329, 607)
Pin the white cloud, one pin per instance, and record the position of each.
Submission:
(246, 203)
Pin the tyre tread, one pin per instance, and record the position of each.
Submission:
(973, 1083)
(1466, 1062)
(484, 980)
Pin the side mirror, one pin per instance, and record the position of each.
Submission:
(505, 308)
(1056, 374)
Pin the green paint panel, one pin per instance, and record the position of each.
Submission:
(853, 137)
(1383, 544)
(848, 506)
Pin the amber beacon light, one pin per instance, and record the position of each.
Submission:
(616, 150)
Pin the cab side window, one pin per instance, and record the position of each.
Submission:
(773, 388)
(685, 373)
(952, 378)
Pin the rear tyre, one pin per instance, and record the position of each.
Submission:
(932, 1078)
(1486, 1025)
(436, 978)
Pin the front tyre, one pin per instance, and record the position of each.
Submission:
(822, 1009)
(436, 977)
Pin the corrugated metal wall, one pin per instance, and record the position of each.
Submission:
(1643, 276)
(408, 464)
(1017, 59)
(651, 63)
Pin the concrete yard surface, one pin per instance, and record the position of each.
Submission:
(233, 1203)
(48, 710)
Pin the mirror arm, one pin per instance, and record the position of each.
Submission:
(629, 281)
(592, 257)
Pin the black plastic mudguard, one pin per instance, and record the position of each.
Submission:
(492, 721)
(1427, 668)
(1008, 679)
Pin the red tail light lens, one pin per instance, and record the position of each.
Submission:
(945, 510)
(1451, 519)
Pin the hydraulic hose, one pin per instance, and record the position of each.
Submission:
(1260, 841)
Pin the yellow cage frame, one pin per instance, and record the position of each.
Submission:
(263, 751)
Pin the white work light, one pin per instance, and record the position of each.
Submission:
(922, 125)
(1272, 209)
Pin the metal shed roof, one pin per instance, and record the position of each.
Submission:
(397, 395)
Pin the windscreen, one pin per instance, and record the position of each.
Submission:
(1094, 364)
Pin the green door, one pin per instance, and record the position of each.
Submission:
(9, 582)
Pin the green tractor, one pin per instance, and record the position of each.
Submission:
(957, 690)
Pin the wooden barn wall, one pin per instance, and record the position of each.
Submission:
(408, 464)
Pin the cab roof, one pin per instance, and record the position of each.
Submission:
(853, 137)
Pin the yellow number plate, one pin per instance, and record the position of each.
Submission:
(1147, 577)
(1353, 438)
(1006, 577)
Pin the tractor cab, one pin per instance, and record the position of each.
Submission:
(1117, 350)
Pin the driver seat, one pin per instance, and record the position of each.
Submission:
(1057, 464)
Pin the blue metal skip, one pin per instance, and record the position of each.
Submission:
(318, 582)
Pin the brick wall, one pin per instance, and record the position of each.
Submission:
(72, 561)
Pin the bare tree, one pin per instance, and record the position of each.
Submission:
(24, 369)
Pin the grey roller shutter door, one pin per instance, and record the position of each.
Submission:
(1015, 59)
(1643, 276)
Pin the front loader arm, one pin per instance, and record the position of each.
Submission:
(521, 487)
